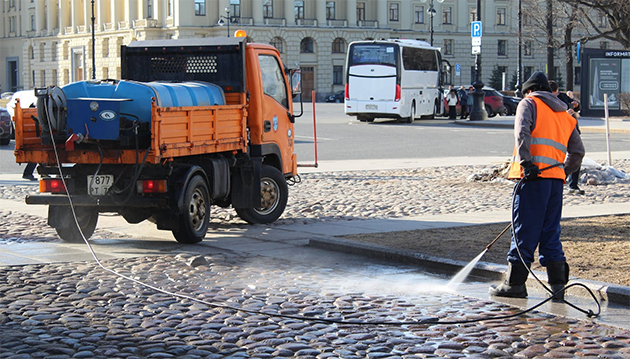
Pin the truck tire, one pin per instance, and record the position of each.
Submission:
(274, 193)
(69, 232)
(195, 219)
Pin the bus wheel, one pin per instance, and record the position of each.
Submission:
(412, 114)
(370, 119)
(362, 118)
(195, 219)
(274, 193)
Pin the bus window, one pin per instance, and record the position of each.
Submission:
(365, 54)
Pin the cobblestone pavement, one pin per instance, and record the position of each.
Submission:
(78, 310)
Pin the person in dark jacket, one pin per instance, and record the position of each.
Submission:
(463, 100)
(547, 148)
(572, 108)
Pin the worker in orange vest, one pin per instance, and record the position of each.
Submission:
(547, 148)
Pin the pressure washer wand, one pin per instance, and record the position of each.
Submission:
(499, 236)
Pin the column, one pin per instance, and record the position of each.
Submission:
(115, 8)
(75, 13)
(351, 12)
(289, 12)
(131, 11)
(257, 12)
(40, 16)
(64, 15)
(382, 13)
(52, 21)
(320, 12)
(102, 13)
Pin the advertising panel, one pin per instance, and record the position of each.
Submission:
(605, 78)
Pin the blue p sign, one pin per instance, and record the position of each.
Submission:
(475, 29)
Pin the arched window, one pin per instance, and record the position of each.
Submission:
(306, 46)
(338, 46)
(277, 43)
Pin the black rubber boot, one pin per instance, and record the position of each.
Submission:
(557, 277)
(514, 283)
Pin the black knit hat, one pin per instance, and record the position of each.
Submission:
(537, 82)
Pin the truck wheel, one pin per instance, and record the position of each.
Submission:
(69, 232)
(273, 197)
(194, 221)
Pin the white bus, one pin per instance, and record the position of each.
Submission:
(398, 79)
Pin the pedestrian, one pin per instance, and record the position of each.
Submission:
(572, 108)
(452, 105)
(463, 100)
(469, 103)
(545, 135)
(28, 171)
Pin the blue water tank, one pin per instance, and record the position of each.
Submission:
(140, 93)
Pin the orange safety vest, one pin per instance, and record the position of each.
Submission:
(549, 142)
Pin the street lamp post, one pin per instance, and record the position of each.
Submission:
(93, 45)
(519, 79)
(478, 112)
(431, 11)
(227, 20)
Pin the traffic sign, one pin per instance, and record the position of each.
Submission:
(476, 50)
(476, 41)
(458, 70)
(475, 29)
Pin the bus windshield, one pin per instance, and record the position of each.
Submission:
(373, 54)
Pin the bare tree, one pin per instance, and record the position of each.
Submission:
(616, 13)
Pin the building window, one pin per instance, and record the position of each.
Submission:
(502, 70)
(299, 9)
(12, 24)
(473, 15)
(418, 14)
(54, 77)
(306, 46)
(54, 52)
(105, 73)
(448, 47)
(502, 47)
(268, 9)
(277, 43)
(337, 75)
(235, 8)
(527, 19)
(501, 14)
(42, 52)
(527, 48)
(602, 20)
(150, 9)
(330, 10)
(527, 72)
(105, 47)
(338, 46)
(32, 22)
(200, 7)
(360, 11)
(447, 15)
(577, 75)
(169, 9)
(393, 12)
(603, 44)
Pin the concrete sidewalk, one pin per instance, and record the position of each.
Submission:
(587, 124)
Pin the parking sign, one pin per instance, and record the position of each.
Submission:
(475, 29)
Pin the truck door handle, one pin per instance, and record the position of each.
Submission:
(267, 125)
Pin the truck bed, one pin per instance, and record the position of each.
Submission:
(175, 132)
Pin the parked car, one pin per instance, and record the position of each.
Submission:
(6, 127)
(336, 97)
(493, 101)
(510, 103)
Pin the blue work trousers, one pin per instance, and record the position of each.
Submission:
(537, 212)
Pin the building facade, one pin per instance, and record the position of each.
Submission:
(49, 42)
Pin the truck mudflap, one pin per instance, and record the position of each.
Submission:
(103, 203)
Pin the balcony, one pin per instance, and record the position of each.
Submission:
(108, 26)
(123, 25)
(247, 21)
(306, 22)
(31, 33)
(367, 23)
(337, 23)
(170, 22)
(275, 21)
(145, 23)
(81, 29)
(68, 30)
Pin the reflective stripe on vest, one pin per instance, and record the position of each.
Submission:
(549, 141)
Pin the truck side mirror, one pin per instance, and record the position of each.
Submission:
(296, 81)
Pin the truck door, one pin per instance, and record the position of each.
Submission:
(275, 108)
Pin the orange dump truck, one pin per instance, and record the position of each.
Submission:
(193, 123)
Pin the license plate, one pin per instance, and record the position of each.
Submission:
(371, 107)
(99, 184)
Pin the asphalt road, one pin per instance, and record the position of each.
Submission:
(341, 137)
